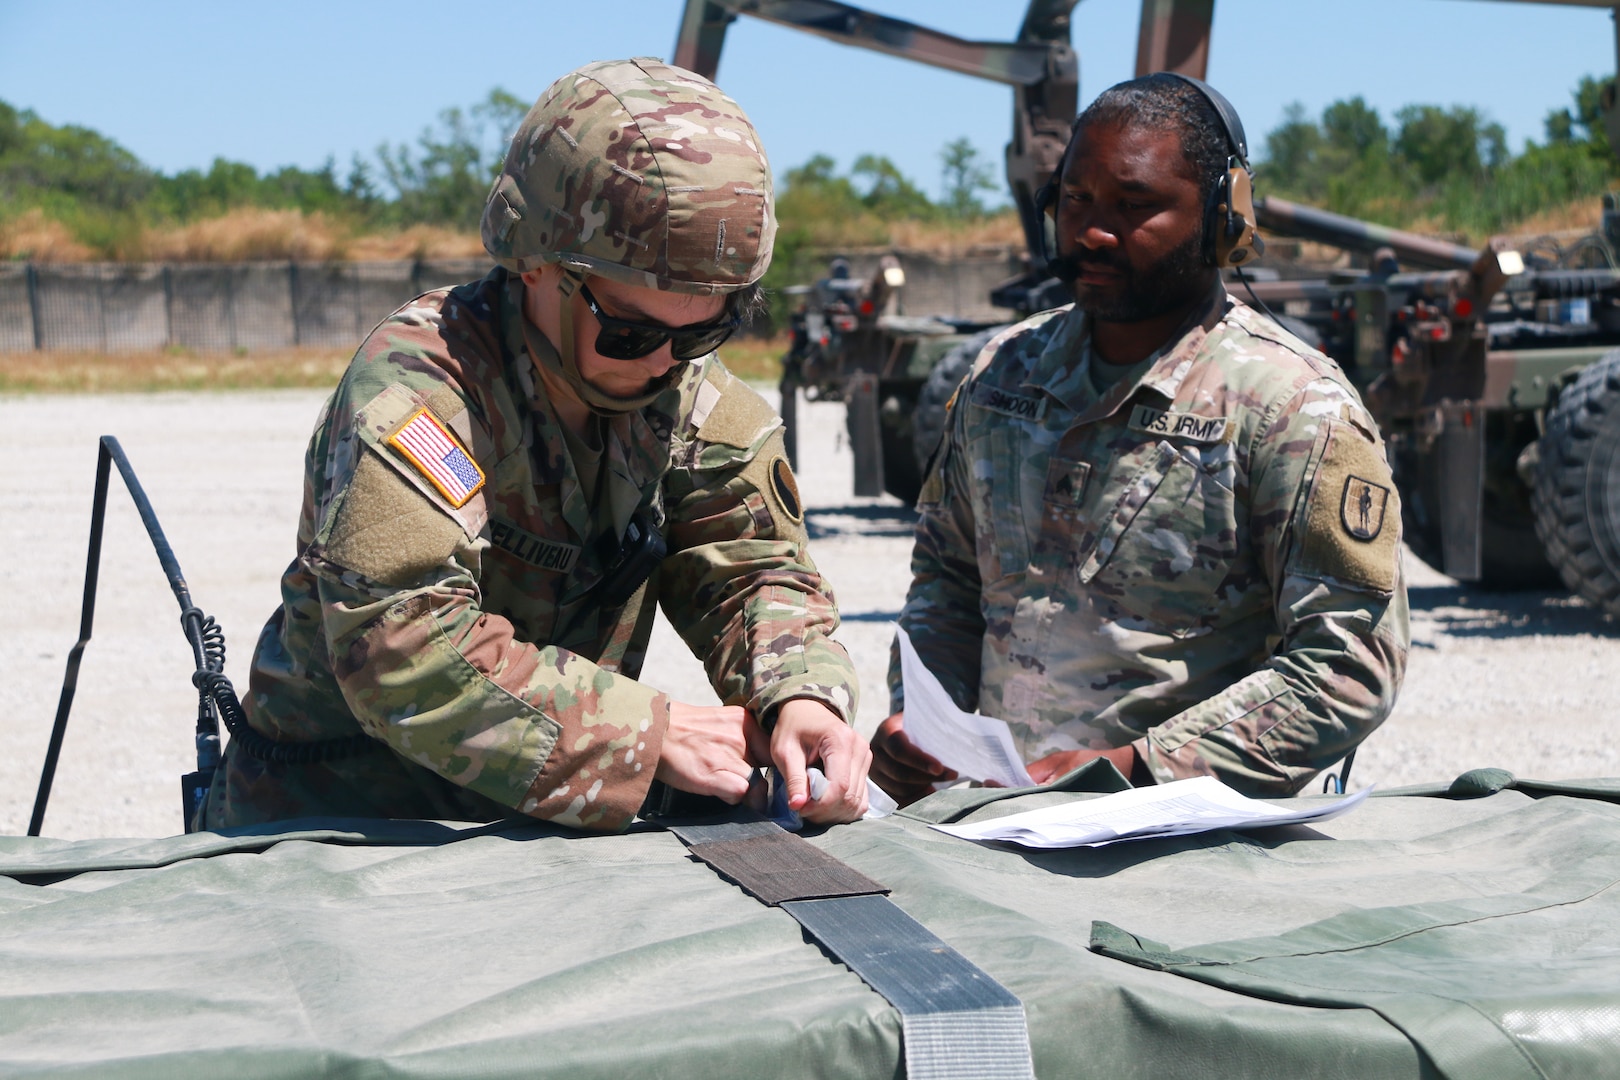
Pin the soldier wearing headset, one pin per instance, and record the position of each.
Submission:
(1160, 529)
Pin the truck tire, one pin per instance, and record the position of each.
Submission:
(1577, 492)
(928, 422)
(1511, 555)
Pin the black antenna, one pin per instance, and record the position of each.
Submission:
(207, 640)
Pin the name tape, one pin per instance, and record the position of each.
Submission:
(1002, 401)
(1188, 426)
(532, 549)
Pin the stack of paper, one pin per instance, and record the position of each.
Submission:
(1174, 809)
(978, 747)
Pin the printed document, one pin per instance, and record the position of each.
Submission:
(978, 747)
(1175, 809)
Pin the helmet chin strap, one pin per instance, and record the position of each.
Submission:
(561, 362)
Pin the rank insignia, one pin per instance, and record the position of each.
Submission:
(1362, 508)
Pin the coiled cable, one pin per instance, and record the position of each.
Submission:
(208, 643)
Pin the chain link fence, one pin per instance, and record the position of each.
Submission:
(113, 307)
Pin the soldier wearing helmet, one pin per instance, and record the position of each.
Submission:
(514, 473)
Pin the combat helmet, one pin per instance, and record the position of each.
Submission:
(638, 171)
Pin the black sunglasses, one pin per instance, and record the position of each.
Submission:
(622, 339)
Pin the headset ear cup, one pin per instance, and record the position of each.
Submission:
(1045, 196)
(1236, 241)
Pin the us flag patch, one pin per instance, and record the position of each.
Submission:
(437, 456)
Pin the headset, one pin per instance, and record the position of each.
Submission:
(1231, 238)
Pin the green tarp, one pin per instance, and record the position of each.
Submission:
(1424, 934)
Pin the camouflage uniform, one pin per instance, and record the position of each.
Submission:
(445, 600)
(1202, 562)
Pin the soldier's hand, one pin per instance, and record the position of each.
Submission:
(1052, 766)
(901, 769)
(808, 733)
(710, 750)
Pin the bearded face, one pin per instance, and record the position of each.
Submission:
(1130, 219)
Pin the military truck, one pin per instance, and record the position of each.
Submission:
(1491, 371)
(851, 340)
(1495, 377)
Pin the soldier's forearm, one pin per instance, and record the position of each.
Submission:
(539, 729)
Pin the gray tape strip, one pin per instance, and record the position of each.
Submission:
(958, 1023)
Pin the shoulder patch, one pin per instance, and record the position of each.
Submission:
(1352, 518)
(435, 453)
(386, 529)
(739, 418)
(1018, 406)
(1361, 510)
(1189, 426)
(786, 489)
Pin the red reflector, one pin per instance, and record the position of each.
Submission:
(1438, 333)
(1464, 307)
(867, 307)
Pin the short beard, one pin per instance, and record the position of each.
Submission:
(1173, 282)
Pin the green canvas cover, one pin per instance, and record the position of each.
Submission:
(1470, 931)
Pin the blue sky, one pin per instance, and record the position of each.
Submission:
(179, 82)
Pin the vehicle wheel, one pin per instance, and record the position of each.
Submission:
(928, 421)
(1511, 556)
(1577, 492)
(901, 477)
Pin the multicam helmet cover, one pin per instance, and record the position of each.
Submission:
(638, 171)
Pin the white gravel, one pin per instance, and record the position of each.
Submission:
(1519, 681)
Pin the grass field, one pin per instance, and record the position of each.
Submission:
(754, 359)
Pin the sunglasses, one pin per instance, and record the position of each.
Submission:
(622, 339)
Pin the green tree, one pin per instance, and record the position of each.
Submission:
(889, 193)
(964, 177)
(1456, 143)
(44, 165)
(444, 178)
(1291, 151)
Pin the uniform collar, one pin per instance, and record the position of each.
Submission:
(636, 450)
(1059, 370)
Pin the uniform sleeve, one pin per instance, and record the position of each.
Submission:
(1325, 520)
(943, 614)
(447, 685)
(738, 584)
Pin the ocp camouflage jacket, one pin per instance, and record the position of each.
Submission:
(1203, 562)
(464, 632)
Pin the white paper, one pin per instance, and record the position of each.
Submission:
(1174, 809)
(878, 803)
(976, 746)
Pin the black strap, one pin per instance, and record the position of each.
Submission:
(957, 1022)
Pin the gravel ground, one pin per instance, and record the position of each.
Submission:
(1509, 680)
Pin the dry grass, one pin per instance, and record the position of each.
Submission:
(247, 234)
(171, 369)
(958, 238)
(254, 234)
(416, 242)
(755, 359)
(1581, 216)
(32, 235)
